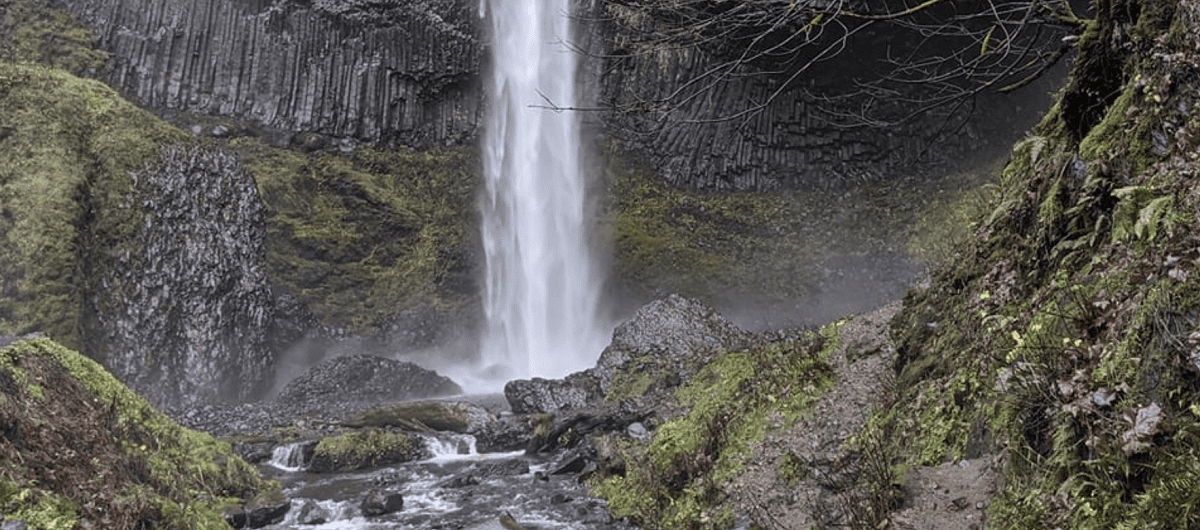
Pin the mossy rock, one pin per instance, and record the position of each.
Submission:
(365, 449)
(68, 146)
(80, 446)
(362, 237)
(675, 481)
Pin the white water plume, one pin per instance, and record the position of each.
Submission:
(542, 289)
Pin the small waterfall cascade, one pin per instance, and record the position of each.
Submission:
(449, 446)
(542, 288)
(289, 457)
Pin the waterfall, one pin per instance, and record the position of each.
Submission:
(542, 286)
(289, 457)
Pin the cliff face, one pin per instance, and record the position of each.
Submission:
(396, 72)
(179, 304)
(747, 132)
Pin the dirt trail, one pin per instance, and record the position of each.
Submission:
(815, 488)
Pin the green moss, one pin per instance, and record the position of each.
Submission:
(749, 247)
(70, 144)
(1112, 133)
(791, 469)
(34, 32)
(1068, 352)
(367, 235)
(675, 481)
(363, 449)
(120, 456)
(951, 215)
(39, 509)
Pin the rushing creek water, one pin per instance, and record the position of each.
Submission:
(542, 289)
(455, 488)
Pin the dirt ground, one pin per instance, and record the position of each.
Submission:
(819, 491)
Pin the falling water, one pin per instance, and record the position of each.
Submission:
(542, 288)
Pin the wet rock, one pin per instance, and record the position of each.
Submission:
(378, 503)
(570, 431)
(311, 513)
(267, 509)
(574, 463)
(254, 452)
(12, 525)
(503, 468)
(459, 417)
(508, 433)
(364, 378)
(543, 395)
(595, 513)
(560, 498)
(459, 481)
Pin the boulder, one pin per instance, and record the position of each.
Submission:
(365, 449)
(508, 433)
(673, 335)
(539, 395)
(311, 513)
(364, 379)
(267, 509)
(378, 503)
(659, 348)
(453, 416)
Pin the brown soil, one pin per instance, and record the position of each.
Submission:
(826, 489)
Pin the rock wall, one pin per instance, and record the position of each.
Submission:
(182, 316)
(701, 133)
(404, 71)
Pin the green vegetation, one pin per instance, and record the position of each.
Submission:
(32, 31)
(363, 449)
(80, 446)
(1065, 333)
(951, 214)
(364, 236)
(776, 246)
(66, 147)
(675, 481)
(792, 469)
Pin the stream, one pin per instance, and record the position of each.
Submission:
(454, 489)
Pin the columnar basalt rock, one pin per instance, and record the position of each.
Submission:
(401, 72)
(757, 129)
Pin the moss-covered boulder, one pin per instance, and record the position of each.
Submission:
(452, 416)
(652, 353)
(364, 449)
(78, 447)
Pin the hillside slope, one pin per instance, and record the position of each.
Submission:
(80, 449)
(1064, 336)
